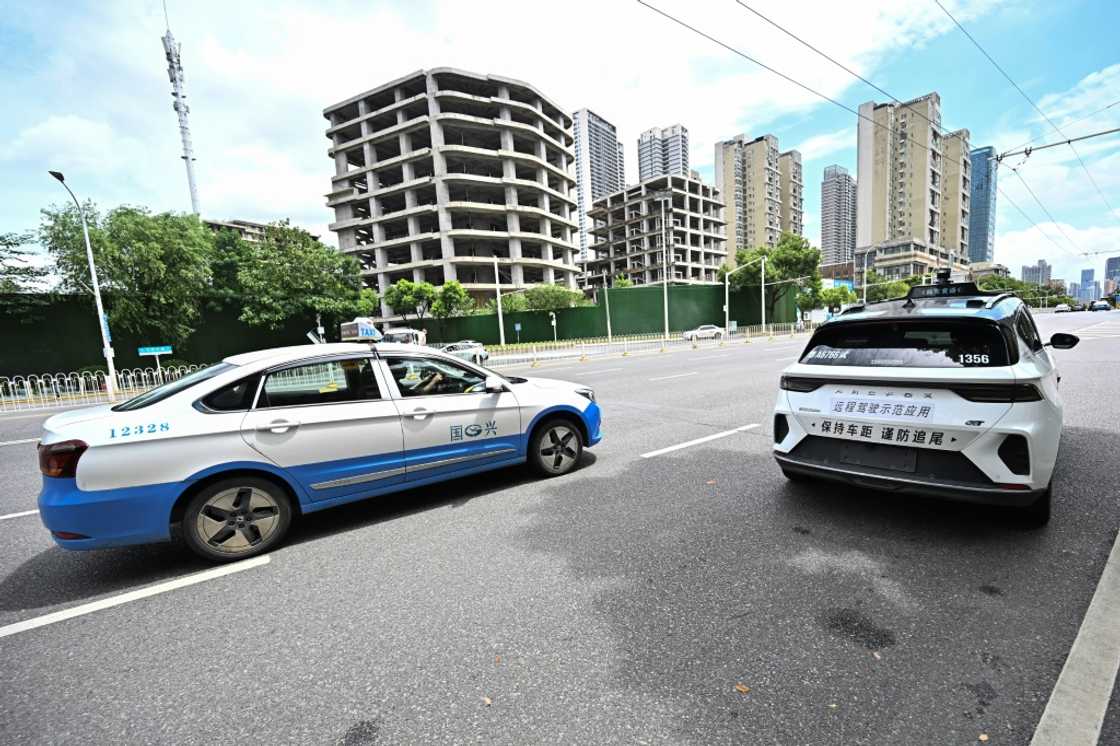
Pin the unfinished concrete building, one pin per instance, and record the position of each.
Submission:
(439, 172)
(629, 233)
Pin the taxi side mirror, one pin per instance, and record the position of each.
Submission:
(1063, 341)
(494, 385)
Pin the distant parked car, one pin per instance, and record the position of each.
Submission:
(1099, 305)
(467, 349)
(1078, 307)
(705, 331)
(406, 336)
(1062, 308)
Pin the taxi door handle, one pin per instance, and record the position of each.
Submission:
(420, 413)
(279, 426)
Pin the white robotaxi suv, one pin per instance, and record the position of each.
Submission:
(232, 453)
(949, 392)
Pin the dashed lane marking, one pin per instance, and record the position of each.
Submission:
(17, 442)
(678, 375)
(124, 598)
(18, 515)
(698, 441)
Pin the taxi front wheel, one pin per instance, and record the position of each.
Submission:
(556, 448)
(236, 518)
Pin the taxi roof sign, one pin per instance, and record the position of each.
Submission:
(360, 330)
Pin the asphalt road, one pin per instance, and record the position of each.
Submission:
(622, 603)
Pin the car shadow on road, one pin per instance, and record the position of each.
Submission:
(453, 493)
(58, 576)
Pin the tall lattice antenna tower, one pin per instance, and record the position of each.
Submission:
(175, 73)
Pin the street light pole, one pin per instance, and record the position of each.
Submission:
(102, 320)
(498, 292)
(664, 267)
(864, 278)
(727, 294)
(607, 299)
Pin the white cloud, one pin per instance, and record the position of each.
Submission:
(258, 81)
(1092, 93)
(1019, 247)
(818, 146)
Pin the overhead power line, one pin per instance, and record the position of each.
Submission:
(894, 98)
(1079, 120)
(1029, 150)
(1030, 101)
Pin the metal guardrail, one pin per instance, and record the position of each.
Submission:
(76, 389)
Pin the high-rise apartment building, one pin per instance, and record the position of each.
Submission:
(599, 166)
(663, 150)
(633, 225)
(762, 189)
(982, 220)
(1112, 268)
(792, 190)
(956, 192)
(838, 216)
(1039, 274)
(442, 172)
(1090, 288)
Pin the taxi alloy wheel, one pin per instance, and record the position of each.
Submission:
(236, 518)
(557, 448)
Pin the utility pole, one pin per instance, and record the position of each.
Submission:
(498, 292)
(664, 263)
(607, 301)
(171, 50)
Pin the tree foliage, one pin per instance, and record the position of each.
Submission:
(17, 274)
(511, 302)
(230, 253)
(837, 296)
(552, 297)
(622, 282)
(407, 297)
(1032, 294)
(880, 288)
(792, 266)
(153, 268)
(451, 299)
(290, 274)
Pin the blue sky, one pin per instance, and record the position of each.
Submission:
(86, 92)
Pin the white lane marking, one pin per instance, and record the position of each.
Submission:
(678, 375)
(698, 441)
(17, 442)
(1076, 710)
(714, 355)
(124, 598)
(18, 515)
(604, 370)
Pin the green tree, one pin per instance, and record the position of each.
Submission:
(230, 253)
(1034, 295)
(511, 302)
(369, 302)
(405, 297)
(622, 282)
(290, 274)
(790, 266)
(154, 269)
(880, 288)
(838, 295)
(451, 299)
(552, 297)
(17, 274)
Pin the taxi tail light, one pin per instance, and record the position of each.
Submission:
(67, 535)
(61, 459)
(804, 385)
(998, 393)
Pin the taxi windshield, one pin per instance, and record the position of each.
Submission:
(159, 393)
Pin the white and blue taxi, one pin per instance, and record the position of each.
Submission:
(232, 453)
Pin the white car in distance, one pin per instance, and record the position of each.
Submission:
(704, 331)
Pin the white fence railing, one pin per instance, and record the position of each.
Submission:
(49, 390)
(534, 354)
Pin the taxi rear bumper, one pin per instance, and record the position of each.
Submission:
(866, 477)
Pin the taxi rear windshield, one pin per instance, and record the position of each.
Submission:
(910, 344)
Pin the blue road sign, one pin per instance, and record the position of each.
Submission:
(162, 350)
